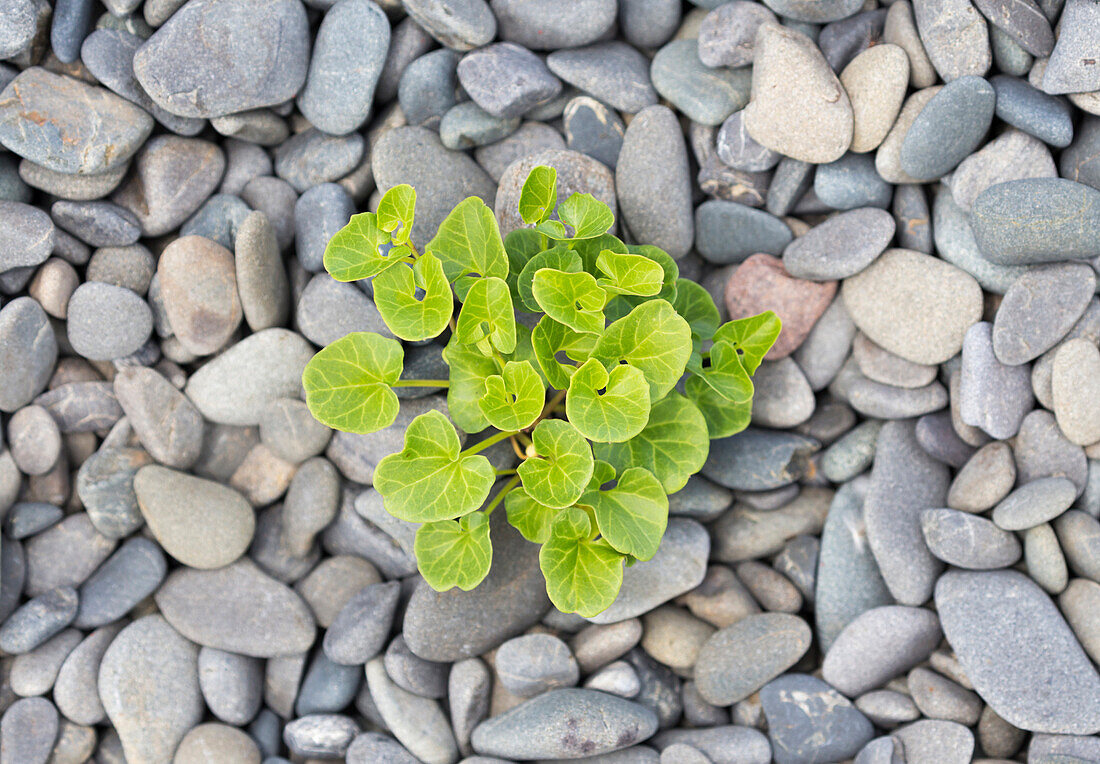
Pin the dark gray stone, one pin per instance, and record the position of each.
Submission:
(362, 627)
(613, 72)
(467, 125)
(593, 129)
(318, 214)
(312, 157)
(547, 25)
(1025, 107)
(738, 660)
(125, 579)
(457, 24)
(759, 460)
(427, 88)
(949, 127)
(506, 80)
(841, 246)
(1039, 309)
(704, 95)
(852, 182)
(727, 232)
(808, 720)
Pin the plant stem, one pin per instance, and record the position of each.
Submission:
(502, 473)
(422, 383)
(490, 441)
(523, 438)
(517, 449)
(501, 494)
(551, 404)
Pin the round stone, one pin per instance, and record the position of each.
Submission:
(740, 659)
(107, 322)
(535, 663)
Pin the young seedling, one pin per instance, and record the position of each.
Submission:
(610, 402)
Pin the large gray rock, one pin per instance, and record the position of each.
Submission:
(28, 350)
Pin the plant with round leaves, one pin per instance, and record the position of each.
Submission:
(609, 402)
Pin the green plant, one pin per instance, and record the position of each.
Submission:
(588, 398)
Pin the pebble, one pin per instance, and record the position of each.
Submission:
(728, 232)
(69, 126)
(75, 689)
(648, 23)
(34, 673)
(985, 479)
(168, 425)
(1039, 309)
(850, 182)
(359, 630)
(212, 742)
(1078, 535)
(28, 350)
(18, 29)
(705, 95)
(577, 173)
(545, 25)
(1078, 603)
(26, 519)
(326, 736)
(125, 579)
(736, 148)
(1068, 71)
(1031, 110)
(237, 608)
(593, 129)
(468, 125)
(312, 157)
(888, 707)
(232, 685)
(934, 740)
(938, 301)
(348, 55)
(1044, 560)
(1035, 503)
(563, 724)
(418, 723)
(27, 236)
(653, 182)
(427, 87)
(1013, 155)
(506, 79)
(1074, 380)
(888, 369)
(740, 659)
(329, 309)
(28, 730)
(991, 395)
(880, 644)
(967, 541)
(727, 35)
(842, 246)
(34, 440)
(955, 37)
(808, 719)
(948, 128)
(535, 663)
(200, 523)
(875, 81)
(318, 214)
(148, 680)
(106, 322)
(613, 72)
(1041, 450)
(1016, 681)
(723, 744)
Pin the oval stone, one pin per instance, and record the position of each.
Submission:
(809, 720)
(738, 660)
(28, 350)
(949, 127)
(968, 541)
(1039, 309)
(879, 645)
(841, 246)
(198, 283)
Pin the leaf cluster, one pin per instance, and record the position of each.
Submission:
(610, 400)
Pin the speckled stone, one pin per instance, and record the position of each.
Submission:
(949, 127)
(1039, 309)
(740, 659)
(955, 36)
(808, 719)
(707, 96)
(878, 645)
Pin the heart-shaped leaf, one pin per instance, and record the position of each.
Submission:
(586, 215)
(724, 375)
(454, 552)
(520, 246)
(468, 244)
(633, 514)
(559, 471)
(348, 383)
(673, 446)
(550, 338)
(539, 194)
(653, 338)
(513, 399)
(629, 274)
(396, 211)
(559, 258)
(663, 259)
(723, 417)
(360, 250)
(529, 517)
(408, 316)
(696, 307)
(554, 229)
(573, 299)
(429, 479)
(590, 249)
(469, 370)
(582, 575)
(608, 407)
(751, 337)
(487, 319)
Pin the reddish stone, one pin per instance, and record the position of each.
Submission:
(762, 283)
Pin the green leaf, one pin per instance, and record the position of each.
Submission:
(469, 370)
(751, 337)
(408, 316)
(673, 445)
(608, 407)
(573, 299)
(582, 575)
(725, 375)
(396, 211)
(514, 399)
(555, 229)
(487, 317)
(520, 246)
(529, 517)
(633, 514)
(629, 274)
(590, 249)
(454, 552)
(429, 479)
(468, 244)
(696, 307)
(586, 215)
(559, 258)
(664, 259)
(348, 383)
(723, 417)
(559, 471)
(653, 338)
(550, 338)
(539, 194)
(354, 252)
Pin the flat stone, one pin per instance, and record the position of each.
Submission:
(875, 82)
(186, 66)
(985, 479)
(318, 214)
(168, 424)
(427, 87)
(991, 395)
(461, 25)
(125, 579)
(312, 157)
(211, 742)
(69, 126)
(848, 183)
(1013, 155)
(535, 663)
(827, 346)
(149, 684)
(320, 735)
(563, 723)
(418, 723)
(759, 460)
(949, 127)
(577, 173)
(1023, 106)
(727, 35)
(967, 541)
(740, 659)
(1039, 309)
(955, 36)
(237, 608)
(545, 25)
(65, 554)
(737, 149)
(707, 96)
(467, 125)
(841, 246)
(1010, 675)
(506, 79)
(1074, 380)
(808, 719)
(237, 385)
(82, 406)
(878, 645)
(798, 107)
(1079, 162)
(1036, 220)
(1068, 70)
(360, 629)
(34, 441)
(27, 236)
(936, 740)
(939, 303)
(1079, 606)
(98, 223)
(613, 72)
(348, 54)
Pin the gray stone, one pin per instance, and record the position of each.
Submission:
(910, 210)
(1014, 678)
(276, 199)
(577, 173)
(725, 744)
(827, 346)
(217, 219)
(348, 54)
(82, 406)
(237, 608)
(653, 182)
(427, 679)
(1013, 155)
(34, 673)
(460, 24)
(565, 723)
(1079, 536)
(593, 129)
(68, 126)
(1025, 107)
(312, 157)
(1068, 70)
(532, 664)
(27, 518)
(427, 88)
(704, 95)
(106, 322)
(28, 731)
(232, 684)
(1080, 162)
(727, 232)
(318, 214)
(361, 628)
(131, 267)
(841, 246)
(1035, 503)
(28, 350)
(955, 37)
(967, 541)
(991, 395)
(330, 309)
(26, 236)
(168, 424)
(408, 41)
(648, 23)
(1036, 220)
(1074, 388)
(933, 740)
(736, 148)
(727, 35)
(76, 691)
(546, 25)
(67, 186)
(506, 79)
(956, 244)
(418, 723)
(327, 687)
(613, 72)
(18, 28)
(325, 736)
(467, 125)
(33, 440)
(270, 45)
(879, 645)
(125, 579)
(949, 127)
(1039, 309)
(808, 719)
(1050, 749)
(851, 182)
(740, 659)
(1041, 450)
(243, 162)
(374, 747)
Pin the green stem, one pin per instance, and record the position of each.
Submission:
(502, 473)
(523, 438)
(490, 441)
(421, 383)
(501, 494)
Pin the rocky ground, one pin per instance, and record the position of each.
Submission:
(898, 562)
